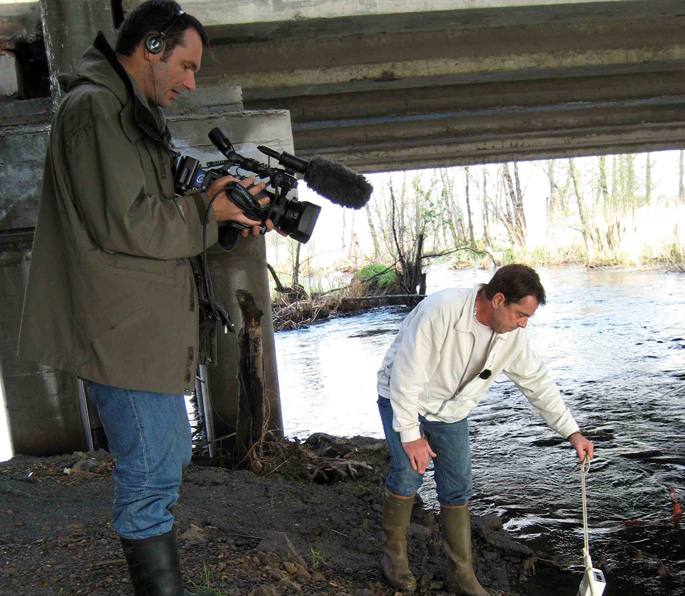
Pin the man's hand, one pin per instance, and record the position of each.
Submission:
(225, 210)
(582, 446)
(419, 452)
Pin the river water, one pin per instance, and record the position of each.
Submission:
(615, 342)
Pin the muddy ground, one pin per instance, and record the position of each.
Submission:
(308, 524)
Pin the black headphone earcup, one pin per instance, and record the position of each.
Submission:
(154, 43)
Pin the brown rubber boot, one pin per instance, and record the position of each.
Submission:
(456, 529)
(394, 563)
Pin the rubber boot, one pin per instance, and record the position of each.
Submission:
(154, 566)
(456, 529)
(394, 562)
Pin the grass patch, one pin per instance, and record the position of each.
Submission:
(206, 587)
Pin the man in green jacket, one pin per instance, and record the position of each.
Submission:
(111, 295)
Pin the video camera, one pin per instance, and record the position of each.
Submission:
(295, 218)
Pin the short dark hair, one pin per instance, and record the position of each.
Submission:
(157, 16)
(515, 281)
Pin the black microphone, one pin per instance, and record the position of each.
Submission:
(220, 140)
(223, 144)
(330, 179)
(486, 374)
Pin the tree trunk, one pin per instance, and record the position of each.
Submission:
(296, 265)
(551, 204)
(472, 238)
(374, 234)
(514, 220)
(519, 213)
(681, 177)
(253, 416)
(485, 203)
(582, 212)
(453, 212)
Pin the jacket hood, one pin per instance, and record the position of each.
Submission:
(99, 66)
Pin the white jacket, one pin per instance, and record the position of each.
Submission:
(424, 367)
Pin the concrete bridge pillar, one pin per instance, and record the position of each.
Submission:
(68, 29)
(244, 267)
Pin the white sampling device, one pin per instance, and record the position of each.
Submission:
(593, 582)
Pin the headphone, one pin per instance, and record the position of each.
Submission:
(156, 42)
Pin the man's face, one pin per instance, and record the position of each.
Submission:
(507, 317)
(175, 72)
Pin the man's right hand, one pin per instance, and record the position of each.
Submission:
(225, 210)
(419, 452)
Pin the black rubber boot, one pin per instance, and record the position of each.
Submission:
(154, 566)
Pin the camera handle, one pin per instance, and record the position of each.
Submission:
(249, 205)
(241, 198)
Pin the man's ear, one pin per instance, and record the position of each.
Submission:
(148, 56)
(499, 299)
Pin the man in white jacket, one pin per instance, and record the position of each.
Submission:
(448, 352)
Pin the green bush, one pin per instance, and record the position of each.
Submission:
(377, 276)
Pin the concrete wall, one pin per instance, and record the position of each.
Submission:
(8, 75)
(22, 153)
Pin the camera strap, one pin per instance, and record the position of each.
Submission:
(241, 198)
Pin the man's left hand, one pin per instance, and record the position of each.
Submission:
(582, 446)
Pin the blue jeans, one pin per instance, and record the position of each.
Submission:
(149, 435)
(452, 466)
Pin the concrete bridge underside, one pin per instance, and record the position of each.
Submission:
(390, 85)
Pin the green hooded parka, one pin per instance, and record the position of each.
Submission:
(111, 294)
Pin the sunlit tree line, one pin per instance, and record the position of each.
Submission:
(482, 210)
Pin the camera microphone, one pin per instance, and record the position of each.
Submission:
(220, 140)
(222, 143)
(330, 179)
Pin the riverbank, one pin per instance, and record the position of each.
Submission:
(310, 526)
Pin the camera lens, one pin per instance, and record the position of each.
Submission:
(297, 219)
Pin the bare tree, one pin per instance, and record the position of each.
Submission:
(513, 218)
(681, 177)
(467, 177)
(453, 215)
(585, 223)
(557, 198)
(373, 231)
(485, 208)
(407, 247)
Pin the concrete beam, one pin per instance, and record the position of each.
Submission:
(351, 64)
(470, 151)
(236, 20)
(326, 110)
(487, 135)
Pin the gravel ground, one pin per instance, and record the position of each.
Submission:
(309, 523)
